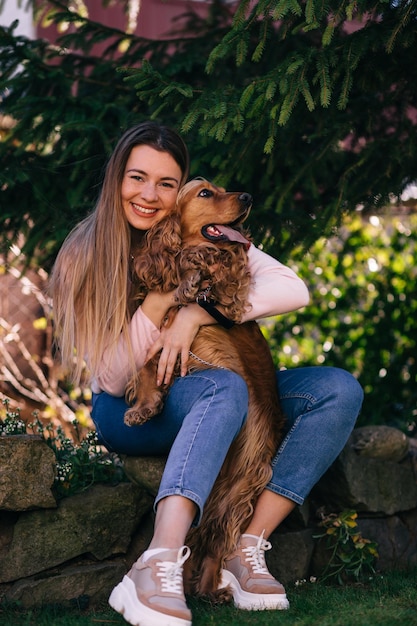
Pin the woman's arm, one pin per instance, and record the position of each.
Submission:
(275, 288)
(116, 365)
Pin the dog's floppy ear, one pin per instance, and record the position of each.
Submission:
(155, 265)
(165, 234)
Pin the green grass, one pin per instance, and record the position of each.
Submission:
(384, 601)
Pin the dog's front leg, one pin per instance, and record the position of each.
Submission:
(147, 396)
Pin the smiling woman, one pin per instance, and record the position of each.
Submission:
(98, 316)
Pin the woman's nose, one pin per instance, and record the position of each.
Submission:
(149, 192)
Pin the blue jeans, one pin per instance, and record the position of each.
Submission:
(205, 410)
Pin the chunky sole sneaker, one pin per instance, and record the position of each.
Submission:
(253, 601)
(151, 594)
(245, 572)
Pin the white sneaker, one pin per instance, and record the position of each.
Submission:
(253, 586)
(152, 592)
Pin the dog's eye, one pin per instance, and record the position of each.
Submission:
(206, 193)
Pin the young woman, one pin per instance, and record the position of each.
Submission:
(95, 314)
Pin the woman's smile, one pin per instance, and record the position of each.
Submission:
(143, 210)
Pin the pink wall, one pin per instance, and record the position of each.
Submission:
(154, 20)
(155, 16)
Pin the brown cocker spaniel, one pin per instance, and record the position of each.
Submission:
(201, 252)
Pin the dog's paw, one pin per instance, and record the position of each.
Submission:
(219, 596)
(135, 417)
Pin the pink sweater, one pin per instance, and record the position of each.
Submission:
(275, 289)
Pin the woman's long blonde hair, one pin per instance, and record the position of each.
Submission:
(89, 282)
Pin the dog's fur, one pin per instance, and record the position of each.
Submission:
(177, 255)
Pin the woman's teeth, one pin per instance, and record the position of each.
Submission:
(142, 209)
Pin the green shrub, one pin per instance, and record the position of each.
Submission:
(362, 315)
(351, 556)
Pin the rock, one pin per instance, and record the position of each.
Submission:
(28, 468)
(99, 522)
(396, 537)
(290, 556)
(380, 442)
(145, 471)
(74, 585)
(412, 454)
(141, 538)
(365, 484)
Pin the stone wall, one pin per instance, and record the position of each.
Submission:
(77, 549)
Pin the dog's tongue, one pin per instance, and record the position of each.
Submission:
(231, 234)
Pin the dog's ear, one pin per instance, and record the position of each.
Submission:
(164, 235)
(155, 265)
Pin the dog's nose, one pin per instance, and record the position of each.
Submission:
(245, 198)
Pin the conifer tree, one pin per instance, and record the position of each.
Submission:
(309, 105)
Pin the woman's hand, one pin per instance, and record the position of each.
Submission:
(176, 341)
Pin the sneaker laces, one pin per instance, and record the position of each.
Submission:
(256, 555)
(170, 572)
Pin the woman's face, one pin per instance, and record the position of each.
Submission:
(150, 186)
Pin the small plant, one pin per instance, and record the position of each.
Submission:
(352, 557)
(11, 424)
(80, 462)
